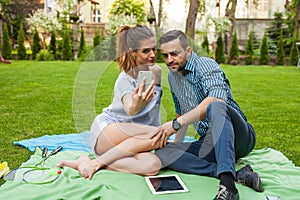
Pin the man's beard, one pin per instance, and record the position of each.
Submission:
(181, 65)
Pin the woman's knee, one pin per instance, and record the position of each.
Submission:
(150, 164)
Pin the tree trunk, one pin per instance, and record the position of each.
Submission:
(160, 9)
(297, 20)
(1, 24)
(230, 13)
(191, 18)
(160, 16)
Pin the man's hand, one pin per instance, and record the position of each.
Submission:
(166, 130)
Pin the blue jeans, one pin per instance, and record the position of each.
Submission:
(228, 138)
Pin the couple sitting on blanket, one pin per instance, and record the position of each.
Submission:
(126, 132)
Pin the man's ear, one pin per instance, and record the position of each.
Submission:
(189, 49)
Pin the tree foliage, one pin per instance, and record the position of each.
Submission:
(4, 8)
(18, 11)
(220, 55)
(280, 51)
(292, 11)
(276, 27)
(82, 47)
(66, 47)
(205, 44)
(44, 22)
(264, 51)
(281, 24)
(221, 24)
(5, 1)
(294, 54)
(108, 46)
(133, 8)
(44, 55)
(234, 50)
(66, 11)
(6, 46)
(52, 46)
(36, 45)
(116, 21)
(249, 49)
(97, 48)
(22, 55)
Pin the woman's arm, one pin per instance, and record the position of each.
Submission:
(135, 102)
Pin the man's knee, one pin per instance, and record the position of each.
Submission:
(216, 108)
(170, 153)
(217, 105)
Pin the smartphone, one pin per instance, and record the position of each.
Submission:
(148, 75)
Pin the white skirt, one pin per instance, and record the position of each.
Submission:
(100, 122)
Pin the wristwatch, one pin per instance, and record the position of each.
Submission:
(176, 125)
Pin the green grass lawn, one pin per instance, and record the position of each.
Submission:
(39, 98)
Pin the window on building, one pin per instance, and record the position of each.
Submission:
(261, 9)
(96, 15)
(263, 5)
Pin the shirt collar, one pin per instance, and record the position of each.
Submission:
(189, 67)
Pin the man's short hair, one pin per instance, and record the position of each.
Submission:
(175, 34)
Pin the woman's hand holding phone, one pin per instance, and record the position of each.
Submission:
(144, 91)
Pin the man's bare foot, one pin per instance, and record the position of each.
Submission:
(86, 167)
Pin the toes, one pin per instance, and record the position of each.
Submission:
(85, 173)
(82, 164)
(68, 163)
(60, 164)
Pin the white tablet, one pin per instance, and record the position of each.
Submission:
(163, 184)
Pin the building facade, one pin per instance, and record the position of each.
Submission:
(249, 16)
(91, 15)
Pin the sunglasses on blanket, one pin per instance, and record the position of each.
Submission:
(37, 174)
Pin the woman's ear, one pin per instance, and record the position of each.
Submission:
(132, 53)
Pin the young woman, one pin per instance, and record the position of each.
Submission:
(125, 132)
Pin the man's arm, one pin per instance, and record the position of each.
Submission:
(198, 113)
(180, 134)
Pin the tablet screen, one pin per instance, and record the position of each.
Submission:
(165, 184)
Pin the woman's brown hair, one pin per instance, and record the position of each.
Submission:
(130, 37)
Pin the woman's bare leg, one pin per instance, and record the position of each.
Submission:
(144, 164)
(117, 141)
(115, 133)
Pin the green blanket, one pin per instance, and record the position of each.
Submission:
(280, 178)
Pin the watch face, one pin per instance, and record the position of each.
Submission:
(176, 124)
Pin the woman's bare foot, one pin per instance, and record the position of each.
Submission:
(86, 167)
